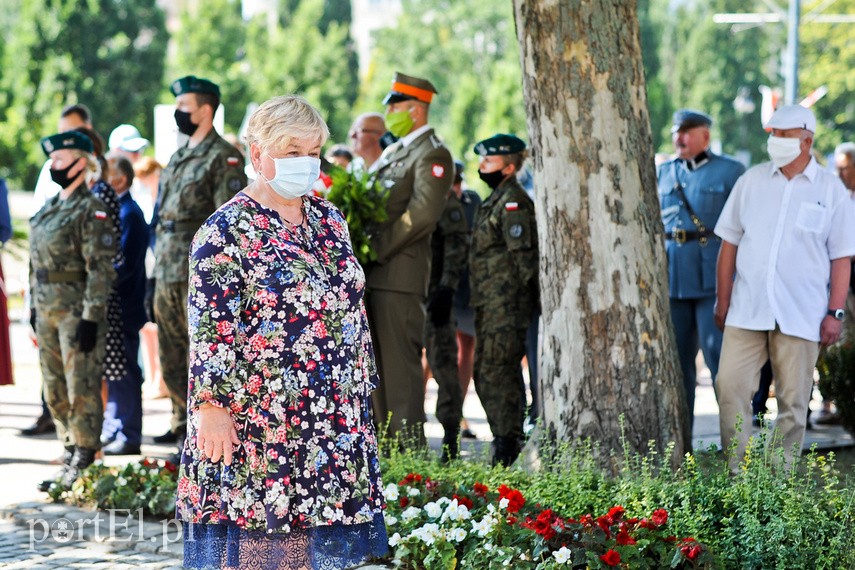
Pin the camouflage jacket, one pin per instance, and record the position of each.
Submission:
(503, 258)
(194, 184)
(72, 244)
(449, 246)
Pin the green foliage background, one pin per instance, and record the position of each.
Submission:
(117, 57)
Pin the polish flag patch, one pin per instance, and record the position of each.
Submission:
(512, 206)
(100, 215)
(232, 161)
(437, 170)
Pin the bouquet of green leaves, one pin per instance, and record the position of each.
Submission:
(363, 204)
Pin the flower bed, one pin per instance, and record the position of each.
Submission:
(149, 484)
(440, 526)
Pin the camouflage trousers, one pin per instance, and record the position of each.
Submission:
(499, 348)
(71, 379)
(170, 312)
(441, 351)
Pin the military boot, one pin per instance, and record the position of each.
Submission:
(67, 456)
(82, 459)
(505, 450)
(450, 444)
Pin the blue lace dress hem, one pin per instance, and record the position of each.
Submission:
(333, 547)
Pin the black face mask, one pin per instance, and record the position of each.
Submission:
(185, 125)
(61, 176)
(492, 179)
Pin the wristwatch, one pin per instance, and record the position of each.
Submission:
(836, 313)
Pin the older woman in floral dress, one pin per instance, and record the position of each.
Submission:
(280, 468)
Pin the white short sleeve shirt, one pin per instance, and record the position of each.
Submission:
(787, 232)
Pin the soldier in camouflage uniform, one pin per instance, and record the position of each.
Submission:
(72, 244)
(449, 246)
(200, 177)
(503, 266)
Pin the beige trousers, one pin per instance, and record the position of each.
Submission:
(743, 353)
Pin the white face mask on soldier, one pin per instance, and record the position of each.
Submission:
(294, 176)
(783, 150)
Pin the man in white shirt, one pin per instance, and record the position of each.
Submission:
(788, 231)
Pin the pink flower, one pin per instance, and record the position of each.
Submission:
(224, 327)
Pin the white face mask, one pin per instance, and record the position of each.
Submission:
(294, 176)
(783, 150)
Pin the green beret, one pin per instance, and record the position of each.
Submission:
(70, 139)
(500, 144)
(193, 84)
(689, 119)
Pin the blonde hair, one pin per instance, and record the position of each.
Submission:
(280, 120)
(145, 166)
(517, 159)
(92, 168)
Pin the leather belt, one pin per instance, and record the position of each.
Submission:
(171, 226)
(47, 276)
(682, 236)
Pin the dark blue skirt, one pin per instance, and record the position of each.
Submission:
(334, 547)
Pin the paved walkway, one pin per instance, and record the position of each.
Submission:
(37, 534)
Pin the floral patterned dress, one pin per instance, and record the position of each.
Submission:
(279, 336)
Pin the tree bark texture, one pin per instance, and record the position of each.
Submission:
(608, 344)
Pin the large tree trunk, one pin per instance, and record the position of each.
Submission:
(608, 346)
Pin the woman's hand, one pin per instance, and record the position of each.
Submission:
(216, 434)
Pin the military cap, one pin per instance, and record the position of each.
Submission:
(792, 117)
(689, 119)
(192, 84)
(500, 144)
(406, 87)
(70, 139)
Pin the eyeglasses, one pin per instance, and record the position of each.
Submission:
(352, 134)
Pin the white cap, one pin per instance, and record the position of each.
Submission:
(792, 117)
(127, 138)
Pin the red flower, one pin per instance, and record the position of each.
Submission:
(465, 501)
(694, 552)
(659, 517)
(624, 539)
(503, 491)
(515, 501)
(611, 558)
(403, 502)
(615, 513)
(480, 490)
(170, 466)
(224, 327)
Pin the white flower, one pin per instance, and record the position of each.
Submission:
(413, 492)
(562, 555)
(488, 546)
(433, 510)
(503, 504)
(410, 513)
(442, 501)
(394, 540)
(391, 520)
(391, 492)
(490, 508)
(483, 527)
(456, 534)
(427, 534)
(456, 512)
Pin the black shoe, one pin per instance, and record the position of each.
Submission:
(67, 456)
(121, 448)
(505, 450)
(468, 434)
(450, 445)
(44, 424)
(169, 437)
(82, 459)
(828, 419)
